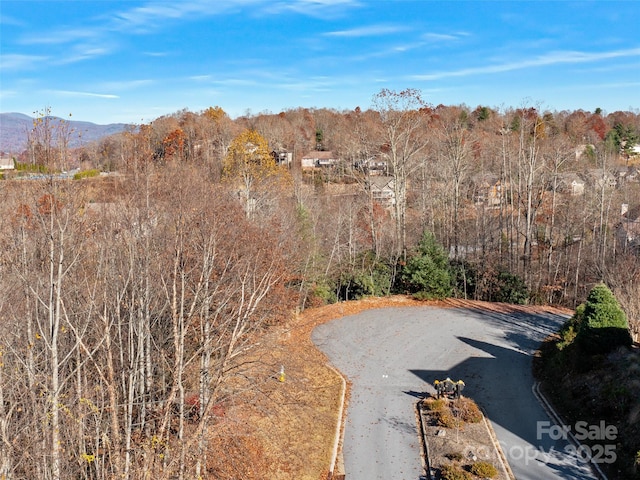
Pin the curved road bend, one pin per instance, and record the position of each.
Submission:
(392, 355)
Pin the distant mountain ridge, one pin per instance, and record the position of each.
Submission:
(15, 127)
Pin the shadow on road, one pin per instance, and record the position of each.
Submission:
(481, 384)
(509, 403)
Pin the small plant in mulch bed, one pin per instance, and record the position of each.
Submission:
(453, 472)
(468, 410)
(455, 456)
(433, 404)
(445, 419)
(484, 470)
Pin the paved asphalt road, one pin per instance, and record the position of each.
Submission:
(393, 355)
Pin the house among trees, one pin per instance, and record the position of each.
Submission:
(628, 229)
(318, 159)
(625, 174)
(571, 183)
(282, 157)
(633, 175)
(372, 166)
(488, 190)
(620, 173)
(382, 190)
(598, 177)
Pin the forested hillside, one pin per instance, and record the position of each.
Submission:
(130, 301)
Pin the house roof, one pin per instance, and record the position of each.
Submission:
(633, 214)
(598, 173)
(380, 182)
(320, 155)
(571, 177)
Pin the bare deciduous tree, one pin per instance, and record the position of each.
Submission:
(404, 124)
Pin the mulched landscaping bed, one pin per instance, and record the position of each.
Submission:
(457, 437)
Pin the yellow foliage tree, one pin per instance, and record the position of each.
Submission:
(249, 165)
(215, 113)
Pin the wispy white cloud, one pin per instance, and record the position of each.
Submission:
(73, 45)
(7, 20)
(281, 80)
(368, 31)
(71, 93)
(598, 86)
(327, 9)
(375, 53)
(59, 36)
(249, 74)
(316, 84)
(126, 85)
(82, 53)
(8, 93)
(388, 51)
(552, 58)
(424, 41)
(152, 16)
(621, 68)
(148, 18)
(443, 37)
(201, 78)
(14, 61)
(236, 82)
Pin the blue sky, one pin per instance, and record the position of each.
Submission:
(133, 61)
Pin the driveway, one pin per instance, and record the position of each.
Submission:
(393, 355)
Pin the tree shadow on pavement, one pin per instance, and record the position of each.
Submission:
(492, 381)
(500, 382)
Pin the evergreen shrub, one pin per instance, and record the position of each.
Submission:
(426, 274)
(604, 326)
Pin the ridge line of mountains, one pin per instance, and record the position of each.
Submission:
(15, 128)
